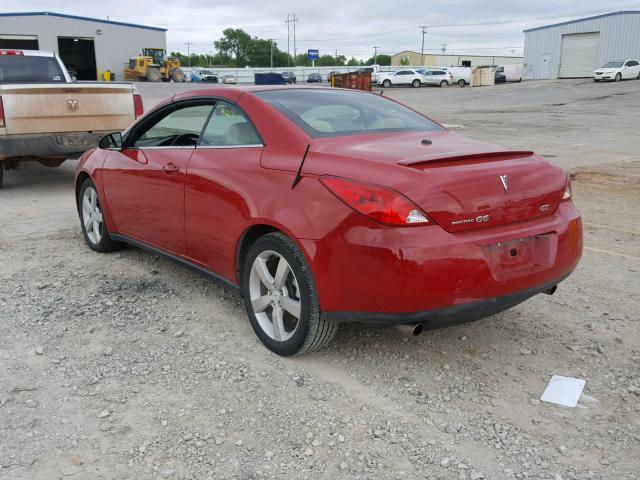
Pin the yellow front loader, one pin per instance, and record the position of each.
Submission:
(153, 66)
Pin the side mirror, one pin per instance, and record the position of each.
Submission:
(113, 141)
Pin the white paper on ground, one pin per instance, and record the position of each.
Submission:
(563, 391)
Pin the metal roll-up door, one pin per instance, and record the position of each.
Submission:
(579, 55)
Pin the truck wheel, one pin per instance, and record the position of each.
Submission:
(462, 82)
(153, 74)
(177, 75)
(386, 83)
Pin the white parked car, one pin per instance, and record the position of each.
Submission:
(436, 76)
(401, 77)
(617, 70)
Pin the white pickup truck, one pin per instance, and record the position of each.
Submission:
(47, 117)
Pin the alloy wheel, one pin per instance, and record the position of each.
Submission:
(274, 295)
(92, 215)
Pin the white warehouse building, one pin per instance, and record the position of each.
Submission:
(575, 49)
(87, 45)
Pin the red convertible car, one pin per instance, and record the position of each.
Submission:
(325, 206)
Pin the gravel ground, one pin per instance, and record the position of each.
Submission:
(125, 366)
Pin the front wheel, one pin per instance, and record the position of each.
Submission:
(94, 228)
(415, 83)
(618, 77)
(386, 83)
(281, 299)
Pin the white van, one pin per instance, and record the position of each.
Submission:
(513, 73)
(461, 75)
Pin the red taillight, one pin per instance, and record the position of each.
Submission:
(378, 203)
(567, 189)
(12, 52)
(1, 115)
(138, 107)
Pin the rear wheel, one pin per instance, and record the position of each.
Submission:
(386, 83)
(153, 74)
(462, 82)
(94, 228)
(281, 299)
(618, 77)
(415, 83)
(444, 83)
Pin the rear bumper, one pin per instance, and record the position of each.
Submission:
(444, 317)
(402, 275)
(57, 145)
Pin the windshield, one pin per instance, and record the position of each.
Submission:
(206, 72)
(612, 65)
(21, 69)
(331, 113)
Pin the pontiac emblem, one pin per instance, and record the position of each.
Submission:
(503, 179)
(72, 105)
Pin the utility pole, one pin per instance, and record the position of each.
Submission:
(424, 30)
(291, 30)
(188, 44)
(375, 55)
(271, 52)
(444, 47)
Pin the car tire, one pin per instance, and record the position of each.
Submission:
(444, 84)
(386, 83)
(94, 228)
(264, 294)
(618, 77)
(638, 76)
(462, 82)
(415, 83)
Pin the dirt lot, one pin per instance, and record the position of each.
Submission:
(125, 366)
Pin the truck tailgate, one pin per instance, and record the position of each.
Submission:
(56, 108)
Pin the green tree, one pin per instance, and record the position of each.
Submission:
(383, 60)
(354, 62)
(237, 43)
(404, 61)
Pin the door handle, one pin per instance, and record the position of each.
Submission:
(170, 168)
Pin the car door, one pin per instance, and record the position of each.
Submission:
(219, 174)
(633, 69)
(405, 77)
(144, 182)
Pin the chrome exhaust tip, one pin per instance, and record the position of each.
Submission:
(552, 290)
(410, 329)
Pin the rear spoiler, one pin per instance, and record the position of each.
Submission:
(500, 154)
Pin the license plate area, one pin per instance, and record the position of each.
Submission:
(512, 257)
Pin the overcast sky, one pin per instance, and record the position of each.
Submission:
(353, 27)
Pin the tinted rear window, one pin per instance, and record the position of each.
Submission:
(327, 113)
(20, 69)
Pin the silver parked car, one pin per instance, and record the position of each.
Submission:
(438, 77)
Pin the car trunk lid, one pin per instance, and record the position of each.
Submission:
(459, 183)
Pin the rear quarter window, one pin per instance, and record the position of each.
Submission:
(26, 69)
